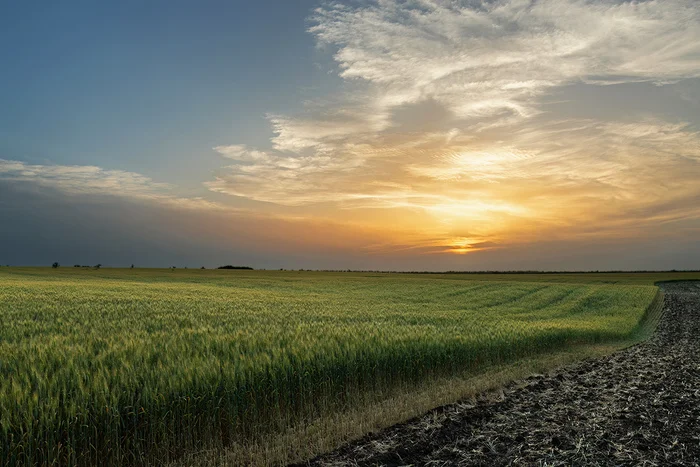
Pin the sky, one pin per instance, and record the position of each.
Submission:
(355, 134)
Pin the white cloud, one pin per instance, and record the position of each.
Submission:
(92, 180)
(485, 151)
(284, 178)
(499, 56)
(478, 60)
(323, 130)
(82, 179)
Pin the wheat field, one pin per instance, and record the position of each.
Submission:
(141, 366)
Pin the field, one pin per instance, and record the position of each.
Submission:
(137, 366)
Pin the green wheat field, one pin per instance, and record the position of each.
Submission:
(142, 366)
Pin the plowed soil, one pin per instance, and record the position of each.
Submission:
(638, 406)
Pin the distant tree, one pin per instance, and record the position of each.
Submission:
(98, 266)
(132, 266)
(55, 265)
(76, 265)
(202, 267)
(228, 266)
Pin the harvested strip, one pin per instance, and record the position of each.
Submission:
(639, 406)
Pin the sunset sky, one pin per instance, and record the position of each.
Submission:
(416, 134)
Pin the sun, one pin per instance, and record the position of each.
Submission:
(465, 245)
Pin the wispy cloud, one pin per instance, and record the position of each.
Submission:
(283, 178)
(442, 121)
(92, 180)
(490, 57)
(82, 179)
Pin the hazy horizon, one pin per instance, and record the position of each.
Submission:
(429, 135)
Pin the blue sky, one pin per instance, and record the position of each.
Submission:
(149, 86)
(372, 134)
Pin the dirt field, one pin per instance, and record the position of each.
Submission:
(639, 406)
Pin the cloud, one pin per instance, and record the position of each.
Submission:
(92, 180)
(490, 57)
(82, 179)
(287, 179)
(325, 129)
(443, 121)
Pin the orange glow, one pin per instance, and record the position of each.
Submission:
(462, 246)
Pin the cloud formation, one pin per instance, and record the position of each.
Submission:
(444, 121)
(82, 179)
(92, 180)
(480, 58)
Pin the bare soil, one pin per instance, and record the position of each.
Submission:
(638, 406)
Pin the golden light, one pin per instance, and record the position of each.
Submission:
(464, 245)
